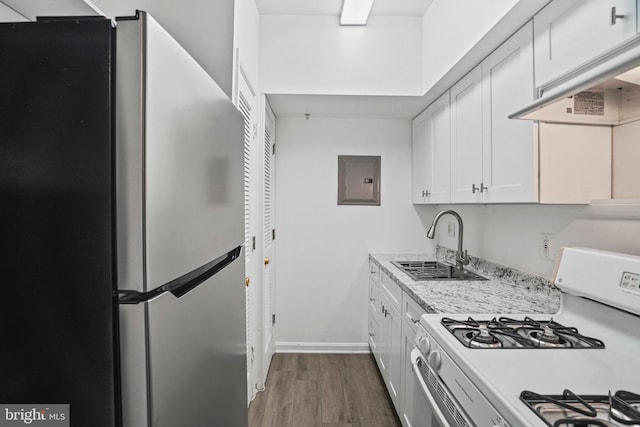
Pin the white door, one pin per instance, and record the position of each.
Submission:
(246, 101)
(268, 232)
(431, 153)
(510, 167)
(439, 161)
(571, 33)
(466, 138)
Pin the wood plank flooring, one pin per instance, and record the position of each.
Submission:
(323, 390)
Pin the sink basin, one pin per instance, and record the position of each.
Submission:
(433, 270)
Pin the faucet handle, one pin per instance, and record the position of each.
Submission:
(463, 257)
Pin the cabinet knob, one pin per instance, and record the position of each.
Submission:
(247, 281)
(615, 16)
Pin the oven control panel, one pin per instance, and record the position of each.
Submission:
(630, 282)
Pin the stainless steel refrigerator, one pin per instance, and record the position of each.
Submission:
(121, 212)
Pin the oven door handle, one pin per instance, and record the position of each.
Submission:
(415, 357)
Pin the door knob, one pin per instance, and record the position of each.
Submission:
(266, 260)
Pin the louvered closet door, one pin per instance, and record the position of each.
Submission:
(268, 294)
(246, 105)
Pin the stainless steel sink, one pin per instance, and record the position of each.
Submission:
(433, 270)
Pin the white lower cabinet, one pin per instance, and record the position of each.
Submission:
(411, 404)
(390, 337)
(392, 326)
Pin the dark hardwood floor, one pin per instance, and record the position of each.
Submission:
(323, 390)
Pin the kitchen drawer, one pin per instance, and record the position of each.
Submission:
(374, 271)
(411, 311)
(391, 290)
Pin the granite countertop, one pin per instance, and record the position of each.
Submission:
(507, 290)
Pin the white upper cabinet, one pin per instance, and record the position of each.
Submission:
(493, 158)
(509, 170)
(570, 34)
(466, 138)
(431, 153)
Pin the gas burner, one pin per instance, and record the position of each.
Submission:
(545, 337)
(505, 332)
(571, 410)
(482, 339)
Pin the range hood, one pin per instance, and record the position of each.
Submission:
(604, 93)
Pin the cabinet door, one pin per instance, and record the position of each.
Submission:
(571, 33)
(509, 162)
(431, 153)
(384, 338)
(374, 318)
(395, 356)
(409, 414)
(466, 138)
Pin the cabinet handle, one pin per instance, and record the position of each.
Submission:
(615, 16)
(371, 334)
(372, 299)
(425, 193)
(414, 320)
(481, 189)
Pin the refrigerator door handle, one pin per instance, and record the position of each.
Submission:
(183, 284)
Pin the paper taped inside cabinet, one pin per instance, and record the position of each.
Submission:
(575, 163)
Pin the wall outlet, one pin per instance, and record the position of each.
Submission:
(451, 229)
(548, 246)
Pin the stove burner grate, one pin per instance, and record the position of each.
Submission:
(571, 410)
(505, 333)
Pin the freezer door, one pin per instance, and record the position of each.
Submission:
(194, 162)
(197, 354)
(56, 225)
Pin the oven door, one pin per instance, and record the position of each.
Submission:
(433, 405)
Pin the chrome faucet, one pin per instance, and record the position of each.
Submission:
(462, 258)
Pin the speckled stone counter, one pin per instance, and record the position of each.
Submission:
(506, 291)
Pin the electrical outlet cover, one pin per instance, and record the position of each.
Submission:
(548, 246)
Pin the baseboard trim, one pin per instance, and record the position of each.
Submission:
(317, 347)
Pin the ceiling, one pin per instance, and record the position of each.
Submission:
(393, 107)
(415, 8)
(347, 106)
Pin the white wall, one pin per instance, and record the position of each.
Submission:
(322, 249)
(246, 40)
(315, 55)
(511, 234)
(450, 28)
(204, 28)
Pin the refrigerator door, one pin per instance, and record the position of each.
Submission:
(179, 207)
(193, 165)
(197, 354)
(56, 223)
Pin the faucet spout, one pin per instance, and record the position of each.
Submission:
(462, 258)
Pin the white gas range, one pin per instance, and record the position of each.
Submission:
(536, 370)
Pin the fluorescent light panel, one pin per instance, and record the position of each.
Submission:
(355, 12)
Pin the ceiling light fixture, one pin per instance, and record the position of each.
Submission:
(355, 12)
